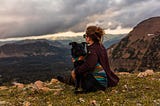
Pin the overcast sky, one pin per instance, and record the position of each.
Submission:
(39, 17)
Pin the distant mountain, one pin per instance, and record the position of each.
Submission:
(30, 60)
(31, 48)
(112, 39)
(108, 39)
(139, 50)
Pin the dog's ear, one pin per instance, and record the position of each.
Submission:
(70, 43)
(73, 43)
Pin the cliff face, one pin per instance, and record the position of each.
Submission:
(139, 50)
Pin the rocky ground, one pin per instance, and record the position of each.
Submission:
(138, 89)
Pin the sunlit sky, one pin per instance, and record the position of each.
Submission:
(41, 18)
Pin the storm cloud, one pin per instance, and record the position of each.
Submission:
(39, 17)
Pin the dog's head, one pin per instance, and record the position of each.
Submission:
(78, 49)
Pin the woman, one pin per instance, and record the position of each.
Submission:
(96, 72)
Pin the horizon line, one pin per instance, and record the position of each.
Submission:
(64, 34)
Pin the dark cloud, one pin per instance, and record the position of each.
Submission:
(38, 17)
(129, 13)
(137, 12)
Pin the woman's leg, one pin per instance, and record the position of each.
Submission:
(73, 75)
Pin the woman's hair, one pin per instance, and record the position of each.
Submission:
(95, 33)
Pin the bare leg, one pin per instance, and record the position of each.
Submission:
(73, 75)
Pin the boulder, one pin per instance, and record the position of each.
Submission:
(39, 84)
(145, 73)
(53, 81)
(18, 85)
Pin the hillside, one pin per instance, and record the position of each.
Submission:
(30, 60)
(131, 91)
(139, 50)
(31, 48)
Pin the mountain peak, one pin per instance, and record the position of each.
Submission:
(139, 50)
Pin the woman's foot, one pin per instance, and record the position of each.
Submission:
(66, 79)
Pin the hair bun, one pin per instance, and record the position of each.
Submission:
(100, 31)
(96, 33)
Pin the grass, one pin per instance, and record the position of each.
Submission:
(131, 91)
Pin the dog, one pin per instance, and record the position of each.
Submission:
(78, 53)
(86, 81)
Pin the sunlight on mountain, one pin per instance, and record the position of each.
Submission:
(65, 34)
(119, 30)
(48, 36)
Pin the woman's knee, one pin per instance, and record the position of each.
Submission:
(73, 74)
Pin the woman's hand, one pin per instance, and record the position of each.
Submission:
(73, 60)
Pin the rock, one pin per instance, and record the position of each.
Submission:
(157, 102)
(26, 103)
(32, 87)
(81, 100)
(123, 73)
(45, 89)
(3, 88)
(53, 81)
(50, 105)
(149, 72)
(108, 99)
(114, 91)
(138, 104)
(123, 90)
(3, 103)
(39, 84)
(126, 87)
(146, 73)
(94, 103)
(141, 74)
(57, 92)
(18, 85)
(101, 92)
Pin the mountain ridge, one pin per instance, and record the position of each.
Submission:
(129, 53)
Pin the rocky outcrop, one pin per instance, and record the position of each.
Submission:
(139, 50)
(145, 73)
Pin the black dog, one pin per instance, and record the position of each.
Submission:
(77, 51)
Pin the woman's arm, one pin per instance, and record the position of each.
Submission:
(89, 64)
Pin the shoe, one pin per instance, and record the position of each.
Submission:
(60, 78)
(79, 92)
(66, 80)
